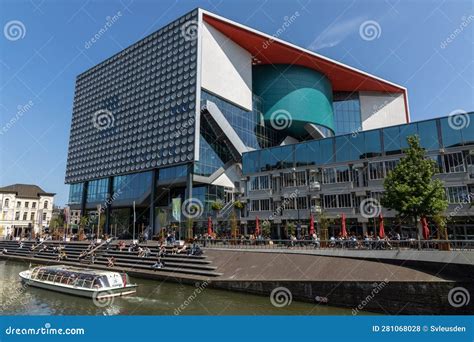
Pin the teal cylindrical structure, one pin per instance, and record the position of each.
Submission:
(293, 96)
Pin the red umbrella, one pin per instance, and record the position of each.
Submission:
(344, 231)
(311, 225)
(381, 227)
(257, 227)
(426, 230)
(209, 226)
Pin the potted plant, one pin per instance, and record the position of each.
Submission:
(217, 205)
(238, 204)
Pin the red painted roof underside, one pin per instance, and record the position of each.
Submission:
(342, 78)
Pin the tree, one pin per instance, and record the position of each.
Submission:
(83, 222)
(441, 223)
(266, 228)
(234, 226)
(56, 222)
(324, 225)
(410, 188)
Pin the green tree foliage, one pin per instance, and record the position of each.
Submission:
(234, 226)
(410, 188)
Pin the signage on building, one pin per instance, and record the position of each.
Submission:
(177, 208)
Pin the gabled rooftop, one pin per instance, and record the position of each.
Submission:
(25, 190)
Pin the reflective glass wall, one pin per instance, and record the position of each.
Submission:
(75, 193)
(249, 126)
(346, 107)
(133, 187)
(97, 190)
(434, 134)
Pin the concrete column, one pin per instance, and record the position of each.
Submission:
(154, 177)
(110, 190)
(188, 196)
(364, 228)
(84, 198)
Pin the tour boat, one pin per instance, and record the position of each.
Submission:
(77, 281)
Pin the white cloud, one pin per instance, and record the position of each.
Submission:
(336, 33)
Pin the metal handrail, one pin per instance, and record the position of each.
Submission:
(337, 244)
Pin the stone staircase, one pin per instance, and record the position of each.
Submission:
(175, 263)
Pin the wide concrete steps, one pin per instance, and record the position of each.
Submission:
(181, 263)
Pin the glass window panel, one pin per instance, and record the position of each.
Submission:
(372, 144)
(391, 140)
(468, 130)
(450, 136)
(75, 194)
(343, 148)
(327, 151)
(405, 132)
(428, 133)
(97, 190)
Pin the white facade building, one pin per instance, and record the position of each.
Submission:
(24, 208)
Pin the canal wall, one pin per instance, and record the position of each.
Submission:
(391, 298)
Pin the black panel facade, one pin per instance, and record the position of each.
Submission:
(135, 111)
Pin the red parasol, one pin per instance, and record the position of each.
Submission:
(344, 231)
(257, 227)
(426, 230)
(381, 227)
(311, 225)
(209, 226)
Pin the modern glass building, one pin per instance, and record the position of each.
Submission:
(188, 114)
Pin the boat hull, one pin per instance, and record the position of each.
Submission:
(76, 291)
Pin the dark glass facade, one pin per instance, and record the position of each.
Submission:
(434, 134)
(132, 187)
(174, 172)
(75, 193)
(97, 190)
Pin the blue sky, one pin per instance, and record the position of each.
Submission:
(426, 46)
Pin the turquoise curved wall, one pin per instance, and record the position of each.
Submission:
(303, 93)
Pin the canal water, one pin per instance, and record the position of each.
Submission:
(153, 297)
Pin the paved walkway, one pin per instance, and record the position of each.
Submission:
(296, 265)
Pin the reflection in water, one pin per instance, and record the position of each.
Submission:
(153, 297)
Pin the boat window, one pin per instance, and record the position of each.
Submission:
(104, 281)
(87, 284)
